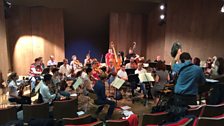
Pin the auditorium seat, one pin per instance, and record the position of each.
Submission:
(8, 114)
(154, 118)
(208, 121)
(117, 122)
(97, 123)
(78, 120)
(35, 111)
(65, 109)
(213, 110)
(196, 111)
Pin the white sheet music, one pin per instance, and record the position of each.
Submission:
(117, 83)
(145, 77)
(78, 82)
(212, 80)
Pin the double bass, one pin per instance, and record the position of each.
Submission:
(117, 60)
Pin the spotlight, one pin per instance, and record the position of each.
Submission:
(162, 7)
(222, 9)
(162, 16)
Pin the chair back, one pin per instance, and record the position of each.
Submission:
(65, 109)
(98, 123)
(79, 120)
(154, 118)
(206, 121)
(8, 114)
(35, 111)
(213, 110)
(117, 123)
(197, 111)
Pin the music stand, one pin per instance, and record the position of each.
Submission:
(130, 71)
(59, 64)
(152, 64)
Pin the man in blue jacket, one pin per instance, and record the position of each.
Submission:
(189, 78)
(99, 89)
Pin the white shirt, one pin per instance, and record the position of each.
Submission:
(46, 95)
(12, 89)
(122, 74)
(65, 70)
(137, 71)
(51, 63)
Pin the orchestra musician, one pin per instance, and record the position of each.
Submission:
(132, 64)
(96, 71)
(87, 60)
(35, 72)
(65, 68)
(75, 65)
(52, 61)
(109, 56)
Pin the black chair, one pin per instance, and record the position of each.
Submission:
(213, 110)
(8, 114)
(117, 123)
(204, 121)
(154, 118)
(36, 111)
(79, 120)
(65, 109)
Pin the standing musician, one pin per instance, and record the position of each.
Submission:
(109, 56)
(75, 65)
(131, 54)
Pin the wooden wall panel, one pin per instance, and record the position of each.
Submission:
(4, 57)
(198, 25)
(34, 32)
(126, 28)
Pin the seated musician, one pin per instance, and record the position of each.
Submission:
(132, 64)
(111, 71)
(140, 70)
(75, 64)
(89, 80)
(44, 89)
(14, 94)
(87, 61)
(162, 78)
(102, 99)
(96, 70)
(35, 72)
(52, 61)
(190, 76)
(130, 54)
(123, 74)
(65, 68)
(42, 63)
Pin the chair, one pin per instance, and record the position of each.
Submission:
(98, 123)
(8, 114)
(154, 118)
(35, 111)
(207, 121)
(117, 123)
(65, 109)
(197, 111)
(78, 120)
(213, 110)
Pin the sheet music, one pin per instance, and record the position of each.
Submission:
(212, 80)
(117, 83)
(78, 82)
(145, 77)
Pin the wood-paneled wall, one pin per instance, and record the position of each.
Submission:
(198, 25)
(126, 28)
(4, 58)
(33, 32)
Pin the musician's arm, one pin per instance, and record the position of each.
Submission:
(35, 72)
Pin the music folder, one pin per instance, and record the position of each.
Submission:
(117, 83)
(145, 77)
(78, 82)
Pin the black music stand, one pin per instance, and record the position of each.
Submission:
(152, 64)
(130, 71)
(134, 80)
(59, 64)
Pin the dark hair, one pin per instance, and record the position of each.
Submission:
(220, 61)
(47, 77)
(37, 59)
(88, 70)
(185, 56)
(196, 61)
(12, 76)
(54, 70)
(161, 66)
(46, 71)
